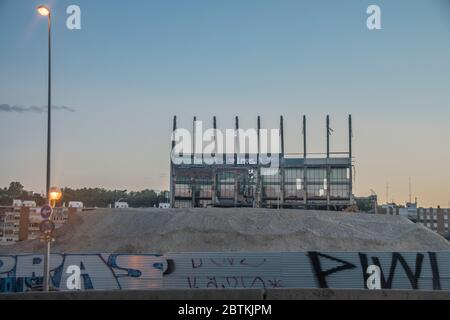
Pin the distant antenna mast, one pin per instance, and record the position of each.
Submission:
(410, 190)
(387, 193)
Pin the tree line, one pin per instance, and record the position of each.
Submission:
(91, 197)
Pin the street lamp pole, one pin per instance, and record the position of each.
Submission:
(45, 11)
(49, 108)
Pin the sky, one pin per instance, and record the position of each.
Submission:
(119, 80)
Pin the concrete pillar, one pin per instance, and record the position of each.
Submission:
(172, 188)
(24, 223)
(214, 186)
(305, 185)
(172, 173)
(193, 192)
(328, 186)
(282, 187)
(258, 185)
(305, 170)
(236, 187)
(194, 134)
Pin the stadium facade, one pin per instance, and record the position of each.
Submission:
(276, 180)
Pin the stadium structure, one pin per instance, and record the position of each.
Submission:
(304, 180)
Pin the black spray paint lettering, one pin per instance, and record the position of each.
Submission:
(321, 275)
(396, 257)
(435, 270)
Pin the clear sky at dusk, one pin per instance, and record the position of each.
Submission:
(135, 64)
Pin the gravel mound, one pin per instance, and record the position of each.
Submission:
(240, 229)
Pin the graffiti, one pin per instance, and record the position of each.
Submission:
(396, 257)
(320, 274)
(97, 271)
(104, 271)
(227, 262)
(232, 282)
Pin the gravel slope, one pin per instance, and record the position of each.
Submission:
(242, 229)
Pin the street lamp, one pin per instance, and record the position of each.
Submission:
(54, 195)
(45, 11)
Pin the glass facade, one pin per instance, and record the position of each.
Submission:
(316, 183)
(183, 187)
(294, 183)
(271, 183)
(243, 187)
(225, 185)
(204, 187)
(339, 183)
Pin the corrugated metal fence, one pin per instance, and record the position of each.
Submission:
(340, 270)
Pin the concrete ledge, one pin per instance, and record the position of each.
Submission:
(329, 294)
(234, 295)
(198, 294)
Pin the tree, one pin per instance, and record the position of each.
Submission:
(15, 189)
(91, 197)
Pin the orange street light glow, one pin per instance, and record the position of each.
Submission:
(55, 194)
(43, 10)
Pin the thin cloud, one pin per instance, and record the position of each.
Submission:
(32, 109)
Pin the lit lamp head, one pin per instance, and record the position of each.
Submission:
(43, 10)
(54, 195)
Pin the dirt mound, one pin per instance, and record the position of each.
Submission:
(241, 229)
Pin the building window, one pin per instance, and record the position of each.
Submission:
(338, 175)
(271, 182)
(225, 186)
(317, 182)
(204, 187)
(339, 183)
(294, 183)
(183, 187)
